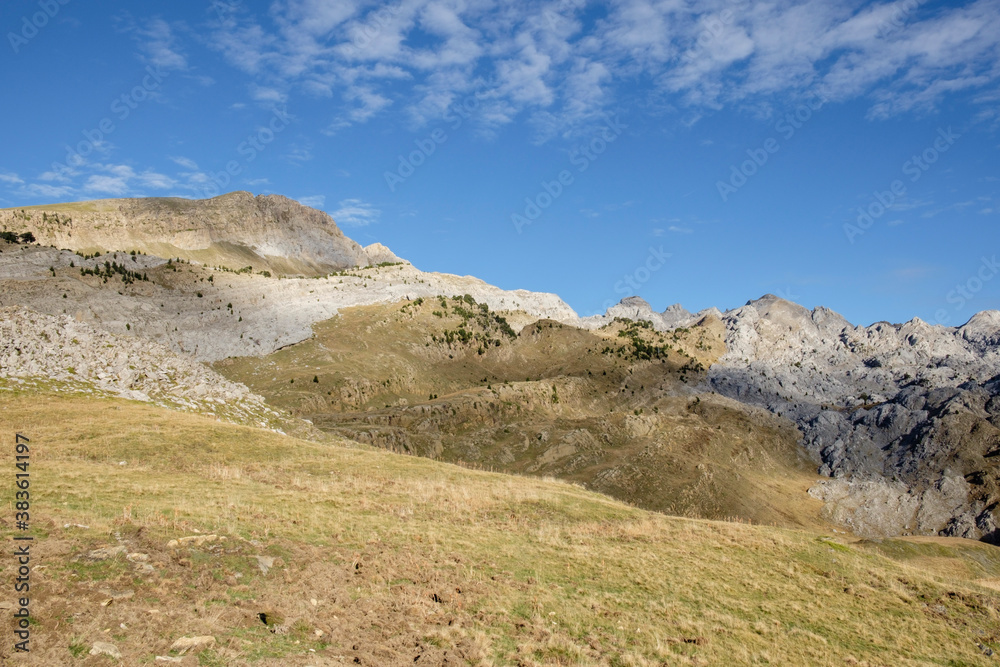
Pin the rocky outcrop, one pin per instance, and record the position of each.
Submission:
(636, 308)
(903, 414)
(234, 230)
(59, 349)
(379, 254)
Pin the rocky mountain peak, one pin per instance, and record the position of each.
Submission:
(380, 254)
(775, 308)
(233, 230)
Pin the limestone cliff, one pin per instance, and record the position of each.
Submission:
(267, 232)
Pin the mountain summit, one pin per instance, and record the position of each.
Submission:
(235, 230)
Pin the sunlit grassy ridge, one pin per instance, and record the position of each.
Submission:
(612, 409)
(387, 558)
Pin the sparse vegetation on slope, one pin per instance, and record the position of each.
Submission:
(360, 556)
(448, 378)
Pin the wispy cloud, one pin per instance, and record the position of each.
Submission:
(187, 163)
(50, 193)
(97, 179)
(267, 95)
(299, 153)
(158, 44)
(314, 201)
(548, 62)
(355, 212)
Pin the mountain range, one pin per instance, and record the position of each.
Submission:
(897, 421)
(253, 441)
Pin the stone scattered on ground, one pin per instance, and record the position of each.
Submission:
(104, 648)
(192, 644)
(105, 553)
(191, 541)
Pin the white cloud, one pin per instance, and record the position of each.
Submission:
(49, 192)
(112, 185)
(314, 201)
(202, 80)
(553, 64)
(369, 103)
(96, 179)
(355, 212)
(522, 79)
(117, 170)
(187, 163)
(299, 153)
(680, 230)
(641, 30)
(61, 176)
(267, 94)
(157, 181)
(158, 44)
(244, 43)
(12, 179)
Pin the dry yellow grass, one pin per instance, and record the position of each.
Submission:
(387, 559)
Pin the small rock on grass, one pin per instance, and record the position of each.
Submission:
(105, 553)
(191, 540)
(104, 648)
(117, 595)
(192, 644)
(265, 563)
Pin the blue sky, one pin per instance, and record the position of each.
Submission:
(834, 153)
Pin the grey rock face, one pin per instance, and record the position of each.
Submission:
(235, 314)
(903, 417)
(60, 349)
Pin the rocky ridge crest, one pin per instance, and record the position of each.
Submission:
(233, 230)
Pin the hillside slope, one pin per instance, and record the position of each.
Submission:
(296, 553)
(613, 409)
